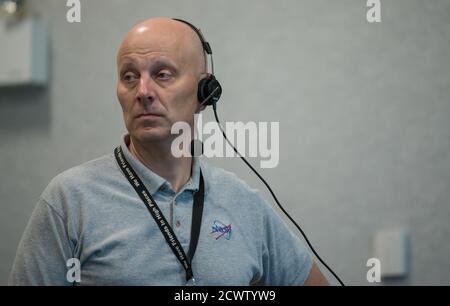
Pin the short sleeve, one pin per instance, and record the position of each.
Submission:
(43, 250)
(286, 261)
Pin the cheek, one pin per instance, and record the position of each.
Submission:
(186, 100)
(124, 100)
(126, 104)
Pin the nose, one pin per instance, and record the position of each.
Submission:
(146, 90)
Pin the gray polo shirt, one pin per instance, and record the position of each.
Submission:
(93, 214)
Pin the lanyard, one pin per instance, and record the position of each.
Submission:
(161, 221)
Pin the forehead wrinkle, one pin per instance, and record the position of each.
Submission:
(156, 59)
(138, 52)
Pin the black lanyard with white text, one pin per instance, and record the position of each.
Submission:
(164, 226)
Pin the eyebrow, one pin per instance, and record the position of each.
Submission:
(163, 63)
(127, 65)
(157, 64)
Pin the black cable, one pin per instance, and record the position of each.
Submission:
(275, 198)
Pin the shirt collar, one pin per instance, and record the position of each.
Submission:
(153, 181)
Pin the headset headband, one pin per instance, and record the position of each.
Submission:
(205, 44)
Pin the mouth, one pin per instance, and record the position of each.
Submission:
(148, 116)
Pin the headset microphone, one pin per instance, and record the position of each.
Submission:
(209, 92)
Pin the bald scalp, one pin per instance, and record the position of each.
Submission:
(163, 34)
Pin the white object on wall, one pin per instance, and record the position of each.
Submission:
(23, 53)
(391, 247)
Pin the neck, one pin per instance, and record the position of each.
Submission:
(159, 159)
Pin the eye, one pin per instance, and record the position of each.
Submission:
(164, 75)
(129, 77)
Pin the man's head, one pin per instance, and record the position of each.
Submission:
(160, 63)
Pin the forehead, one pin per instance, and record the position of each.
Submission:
(145, 49)
(172, 44)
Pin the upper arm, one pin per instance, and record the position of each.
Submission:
(43, 250)
(286, 260)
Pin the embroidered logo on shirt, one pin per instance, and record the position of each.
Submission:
(220, 230)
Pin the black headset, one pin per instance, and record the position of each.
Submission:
(209, 89)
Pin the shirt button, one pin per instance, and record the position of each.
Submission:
(178, 223)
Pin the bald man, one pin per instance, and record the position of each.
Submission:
(91, 226)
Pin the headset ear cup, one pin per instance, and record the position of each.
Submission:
(206, 86)
(201, 90)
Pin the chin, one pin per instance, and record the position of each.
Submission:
(146, 135)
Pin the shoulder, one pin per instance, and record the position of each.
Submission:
(85, 172)
(228, 187)
(77, 179)
(216, 177)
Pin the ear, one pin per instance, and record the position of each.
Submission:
(204, 75)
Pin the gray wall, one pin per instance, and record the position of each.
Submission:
(363, 109)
